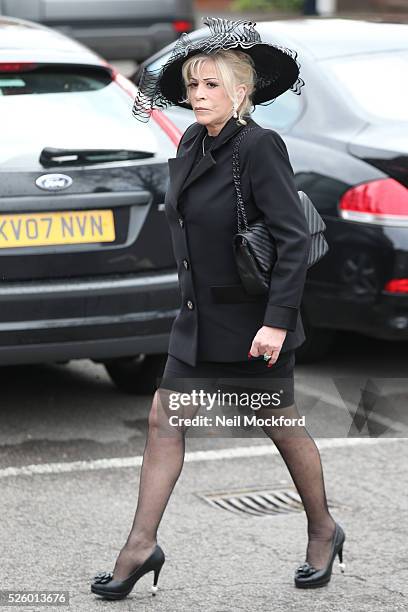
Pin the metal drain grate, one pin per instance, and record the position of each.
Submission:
(257, 502)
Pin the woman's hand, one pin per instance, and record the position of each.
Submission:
(268, 340)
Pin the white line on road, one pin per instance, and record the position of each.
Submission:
(205, 455)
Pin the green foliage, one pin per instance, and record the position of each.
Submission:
(265, 5)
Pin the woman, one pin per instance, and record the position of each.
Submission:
(221, 331)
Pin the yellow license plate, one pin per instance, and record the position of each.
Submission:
(47, 228)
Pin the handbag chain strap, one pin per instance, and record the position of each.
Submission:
(242, 220)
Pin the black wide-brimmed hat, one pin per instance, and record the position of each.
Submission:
(277, 67)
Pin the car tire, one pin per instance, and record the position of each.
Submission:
(136, 375)
(317, 344)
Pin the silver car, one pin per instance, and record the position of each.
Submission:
(117, 29)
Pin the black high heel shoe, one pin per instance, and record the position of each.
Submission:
(307, 576)
(118, 589)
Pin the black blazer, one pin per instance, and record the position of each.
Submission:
(218, 320)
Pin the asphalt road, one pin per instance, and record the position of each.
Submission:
(74, 412)
(71, 447)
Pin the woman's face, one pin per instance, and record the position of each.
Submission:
(208, 97)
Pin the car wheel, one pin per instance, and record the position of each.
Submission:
(317, 344)
(136, 375)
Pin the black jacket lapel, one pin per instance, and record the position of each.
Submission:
(180, 167)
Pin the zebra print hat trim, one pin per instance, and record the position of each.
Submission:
(277, 67)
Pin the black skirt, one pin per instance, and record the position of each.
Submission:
(238, 377)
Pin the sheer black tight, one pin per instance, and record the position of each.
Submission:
(163, 460)
(302, 458)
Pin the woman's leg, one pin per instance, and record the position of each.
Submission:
(302, 458)
(163, 460)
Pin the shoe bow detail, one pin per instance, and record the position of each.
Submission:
(103, 577)
(306, 569)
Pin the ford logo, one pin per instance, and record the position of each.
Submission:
(53, 182)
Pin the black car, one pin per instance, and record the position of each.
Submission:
(87, 267)
(347, 136)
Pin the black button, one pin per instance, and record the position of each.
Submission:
(185, 264)
(190, 305)
(181, 221)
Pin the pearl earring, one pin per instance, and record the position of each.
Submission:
(235, 108)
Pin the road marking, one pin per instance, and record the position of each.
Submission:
(190, 457)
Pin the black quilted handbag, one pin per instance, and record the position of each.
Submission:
(254, 247)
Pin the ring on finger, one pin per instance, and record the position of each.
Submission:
(270, 364)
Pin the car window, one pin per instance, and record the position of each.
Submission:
(99, 119)
(49, 79)
(375, 82)
(281, 113)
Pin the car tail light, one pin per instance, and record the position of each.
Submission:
(182, 26)
(164, 122)
(384, 201)
(16, 66)
(397, 285)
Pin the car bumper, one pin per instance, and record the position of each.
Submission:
(94, 318)
(385, 318)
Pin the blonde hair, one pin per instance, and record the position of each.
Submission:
(234, 68)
